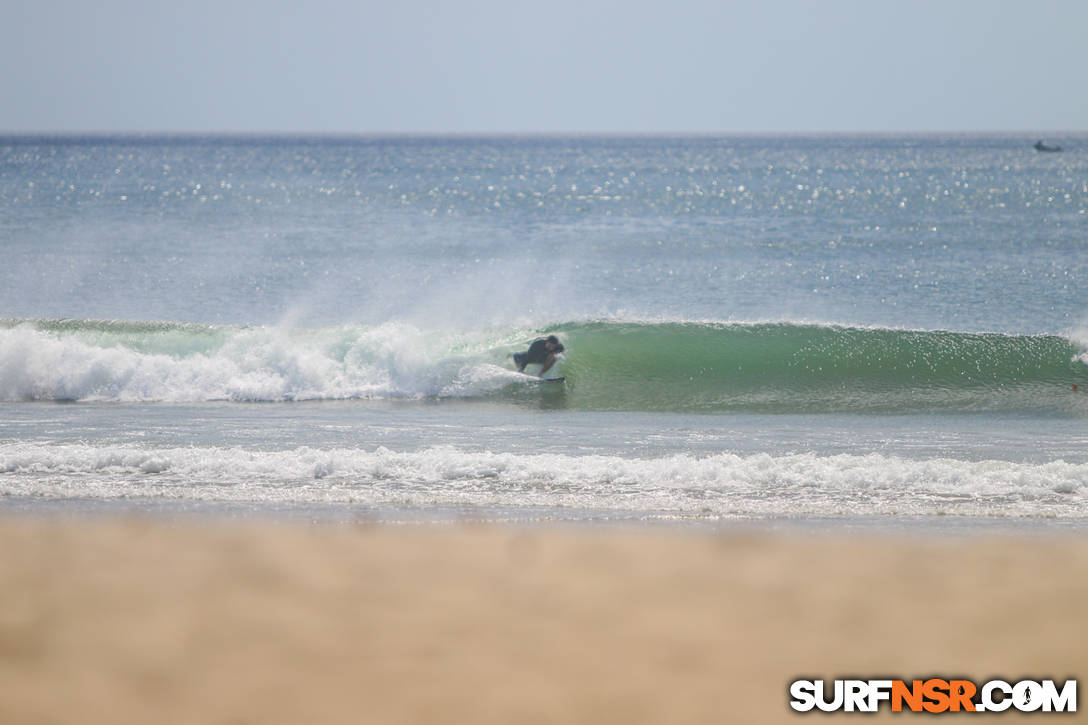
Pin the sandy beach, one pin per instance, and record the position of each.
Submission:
(150, 620)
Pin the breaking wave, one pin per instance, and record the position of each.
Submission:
(609, 365)
(687, 485)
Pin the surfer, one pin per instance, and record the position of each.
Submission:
(542, 352)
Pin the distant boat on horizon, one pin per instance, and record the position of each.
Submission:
(1040, 146)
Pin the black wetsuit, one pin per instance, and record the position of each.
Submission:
(536, 354)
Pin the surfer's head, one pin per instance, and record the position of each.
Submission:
(553, 343)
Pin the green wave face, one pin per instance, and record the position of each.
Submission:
(148, 337)
(608, 365)
(817, 368)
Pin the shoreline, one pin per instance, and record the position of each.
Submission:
(133, 618)
(340, 514)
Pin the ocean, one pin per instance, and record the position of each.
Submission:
(884, 331)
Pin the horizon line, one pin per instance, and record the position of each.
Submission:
(158, 133)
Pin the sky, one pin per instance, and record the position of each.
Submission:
(560, 66)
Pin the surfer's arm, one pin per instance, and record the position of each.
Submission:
(548, 362)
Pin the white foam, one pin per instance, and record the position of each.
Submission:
(1079, 337)
(252, 364)
(723, 484)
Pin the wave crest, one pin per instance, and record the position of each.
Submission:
(610, 365)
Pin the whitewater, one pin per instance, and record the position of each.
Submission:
(674, 367)
(848, 329)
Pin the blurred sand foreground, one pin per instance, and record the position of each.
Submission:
(151, 621)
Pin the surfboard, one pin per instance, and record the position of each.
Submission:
(528, 378)
(535, 367)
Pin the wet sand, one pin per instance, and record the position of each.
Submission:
(150, 620)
